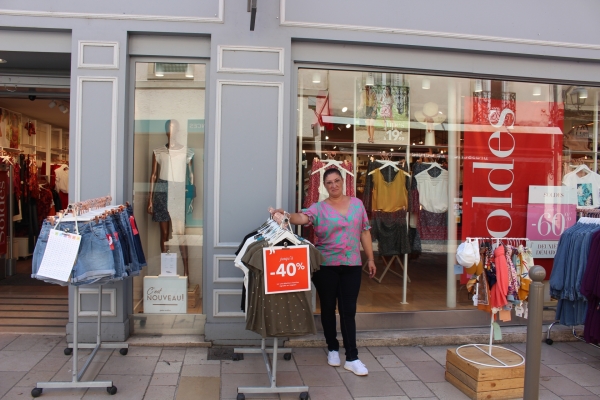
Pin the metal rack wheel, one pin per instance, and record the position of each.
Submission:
(304, 396)
(124, 351)
(549, 341)
(241, 396)
(112, 390)
(237, 357)
(36, 392)
(287, 356)
(68, 351)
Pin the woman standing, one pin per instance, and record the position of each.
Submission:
(341, 226)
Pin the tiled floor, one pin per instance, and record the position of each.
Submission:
(568, 371)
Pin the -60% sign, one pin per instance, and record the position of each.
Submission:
(286, 269)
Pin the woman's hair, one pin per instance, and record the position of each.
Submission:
(331, 171)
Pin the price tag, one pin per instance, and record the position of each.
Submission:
(519, 311)
(286, 269)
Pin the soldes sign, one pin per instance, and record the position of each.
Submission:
(502, 158)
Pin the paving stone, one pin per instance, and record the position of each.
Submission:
(6, 339)
(594, 389)
(200, 388)
(581, 374)
(23, 392)
(51, 363)
(545, 394)
(592, 397)
(230, 383)
(202, 370)
(547, 371)
(407, 353)
(376, 382)
(380, 351)
(160, 393)
(438, 353)
(196, 356)
(33, 377)
(252, 363)
(329, 393)
(312, 357)
(586, 348)
(168, 367)
(583, 356)
(65, 374)
(172, 355)
(118, 364)
(320, 375)
(428, 371)
(389, 361)
(446, 391)
(550, 355)
(564, 387)
(33, 343)
(144, 351)
(402, 374)
(415, 389)
(20, 360)
(129, 387)
(164, 380)
(384, 398)
(8, 380)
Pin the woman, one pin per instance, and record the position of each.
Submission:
(341, 225)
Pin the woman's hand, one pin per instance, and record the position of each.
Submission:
(150, 211)
(372, 269)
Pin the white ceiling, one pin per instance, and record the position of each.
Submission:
(38, 110)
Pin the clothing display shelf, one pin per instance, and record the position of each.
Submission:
(76, 382)
(589, 213)
(271, 366)
(491, 346)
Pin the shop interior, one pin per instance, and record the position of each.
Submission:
(409, 124)
(34, 142)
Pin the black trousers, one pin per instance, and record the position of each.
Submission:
(339, 284)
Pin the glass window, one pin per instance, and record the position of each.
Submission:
(436, 160)
(168, 181)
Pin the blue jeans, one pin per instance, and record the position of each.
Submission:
(40, 248)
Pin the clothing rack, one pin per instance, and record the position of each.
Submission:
(491, 346)
(589, 213)
(76, 382)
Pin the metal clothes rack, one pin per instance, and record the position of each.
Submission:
(581, 212)
(76, 382)
(271, 371)
(491, 346)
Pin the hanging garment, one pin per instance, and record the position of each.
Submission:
(588, 187)
(430, 225)
(62, 179)
(590, 288)
(389, 196)
(433, 191)
(500, 290)
(390, 230)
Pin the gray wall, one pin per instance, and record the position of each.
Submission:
(250, 104)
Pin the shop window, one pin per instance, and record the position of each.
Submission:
(435, 160)
(168, 191)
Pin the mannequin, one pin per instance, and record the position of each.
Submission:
(171, 166)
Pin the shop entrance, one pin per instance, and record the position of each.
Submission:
(34, 143)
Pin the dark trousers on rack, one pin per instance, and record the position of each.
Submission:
(339, 284)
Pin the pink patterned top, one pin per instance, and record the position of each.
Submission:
(338, 236)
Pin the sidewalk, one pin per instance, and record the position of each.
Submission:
(570, 370)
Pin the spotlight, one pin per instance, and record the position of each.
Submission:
(316, 78)
(63, 109)
(537, 91)
(189, 71)
(425, 84)
(478, 86)
(52, 104)
(32, 97)
(3, 61)
(348, 126)
(344, 109)
(370, 80)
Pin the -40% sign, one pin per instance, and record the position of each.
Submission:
(286, 269)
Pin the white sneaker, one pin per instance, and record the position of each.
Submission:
(357, 367)
(333, 358)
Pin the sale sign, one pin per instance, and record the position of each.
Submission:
(286, 269)
(551, 210)
(508, 146)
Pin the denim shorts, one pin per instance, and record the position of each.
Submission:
(134, 266)
(116, 250)
(137, 242)
(40, 247)
(116, 220)
(94, 259)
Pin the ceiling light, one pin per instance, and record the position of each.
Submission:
(64, 109)
(582, 93)
(370, 80)
(52, 104)
(537, 91)
(316, 77)
(304, 151)
(348, 126)
(189, 72)
(391, 149)
(344, 109)
(335, 147)
(3, 61)
(159, 70)
(478, 86)
(425, 84)
(326, 137)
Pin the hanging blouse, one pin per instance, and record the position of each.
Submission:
(389, 196)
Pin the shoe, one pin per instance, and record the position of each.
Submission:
(357, 367)
(333, 358)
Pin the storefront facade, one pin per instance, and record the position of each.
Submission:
(252, 106)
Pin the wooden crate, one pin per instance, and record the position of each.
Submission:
(480, 382)
(193, 296)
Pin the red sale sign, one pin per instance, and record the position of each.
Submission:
(508, 146)
(286, 269)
